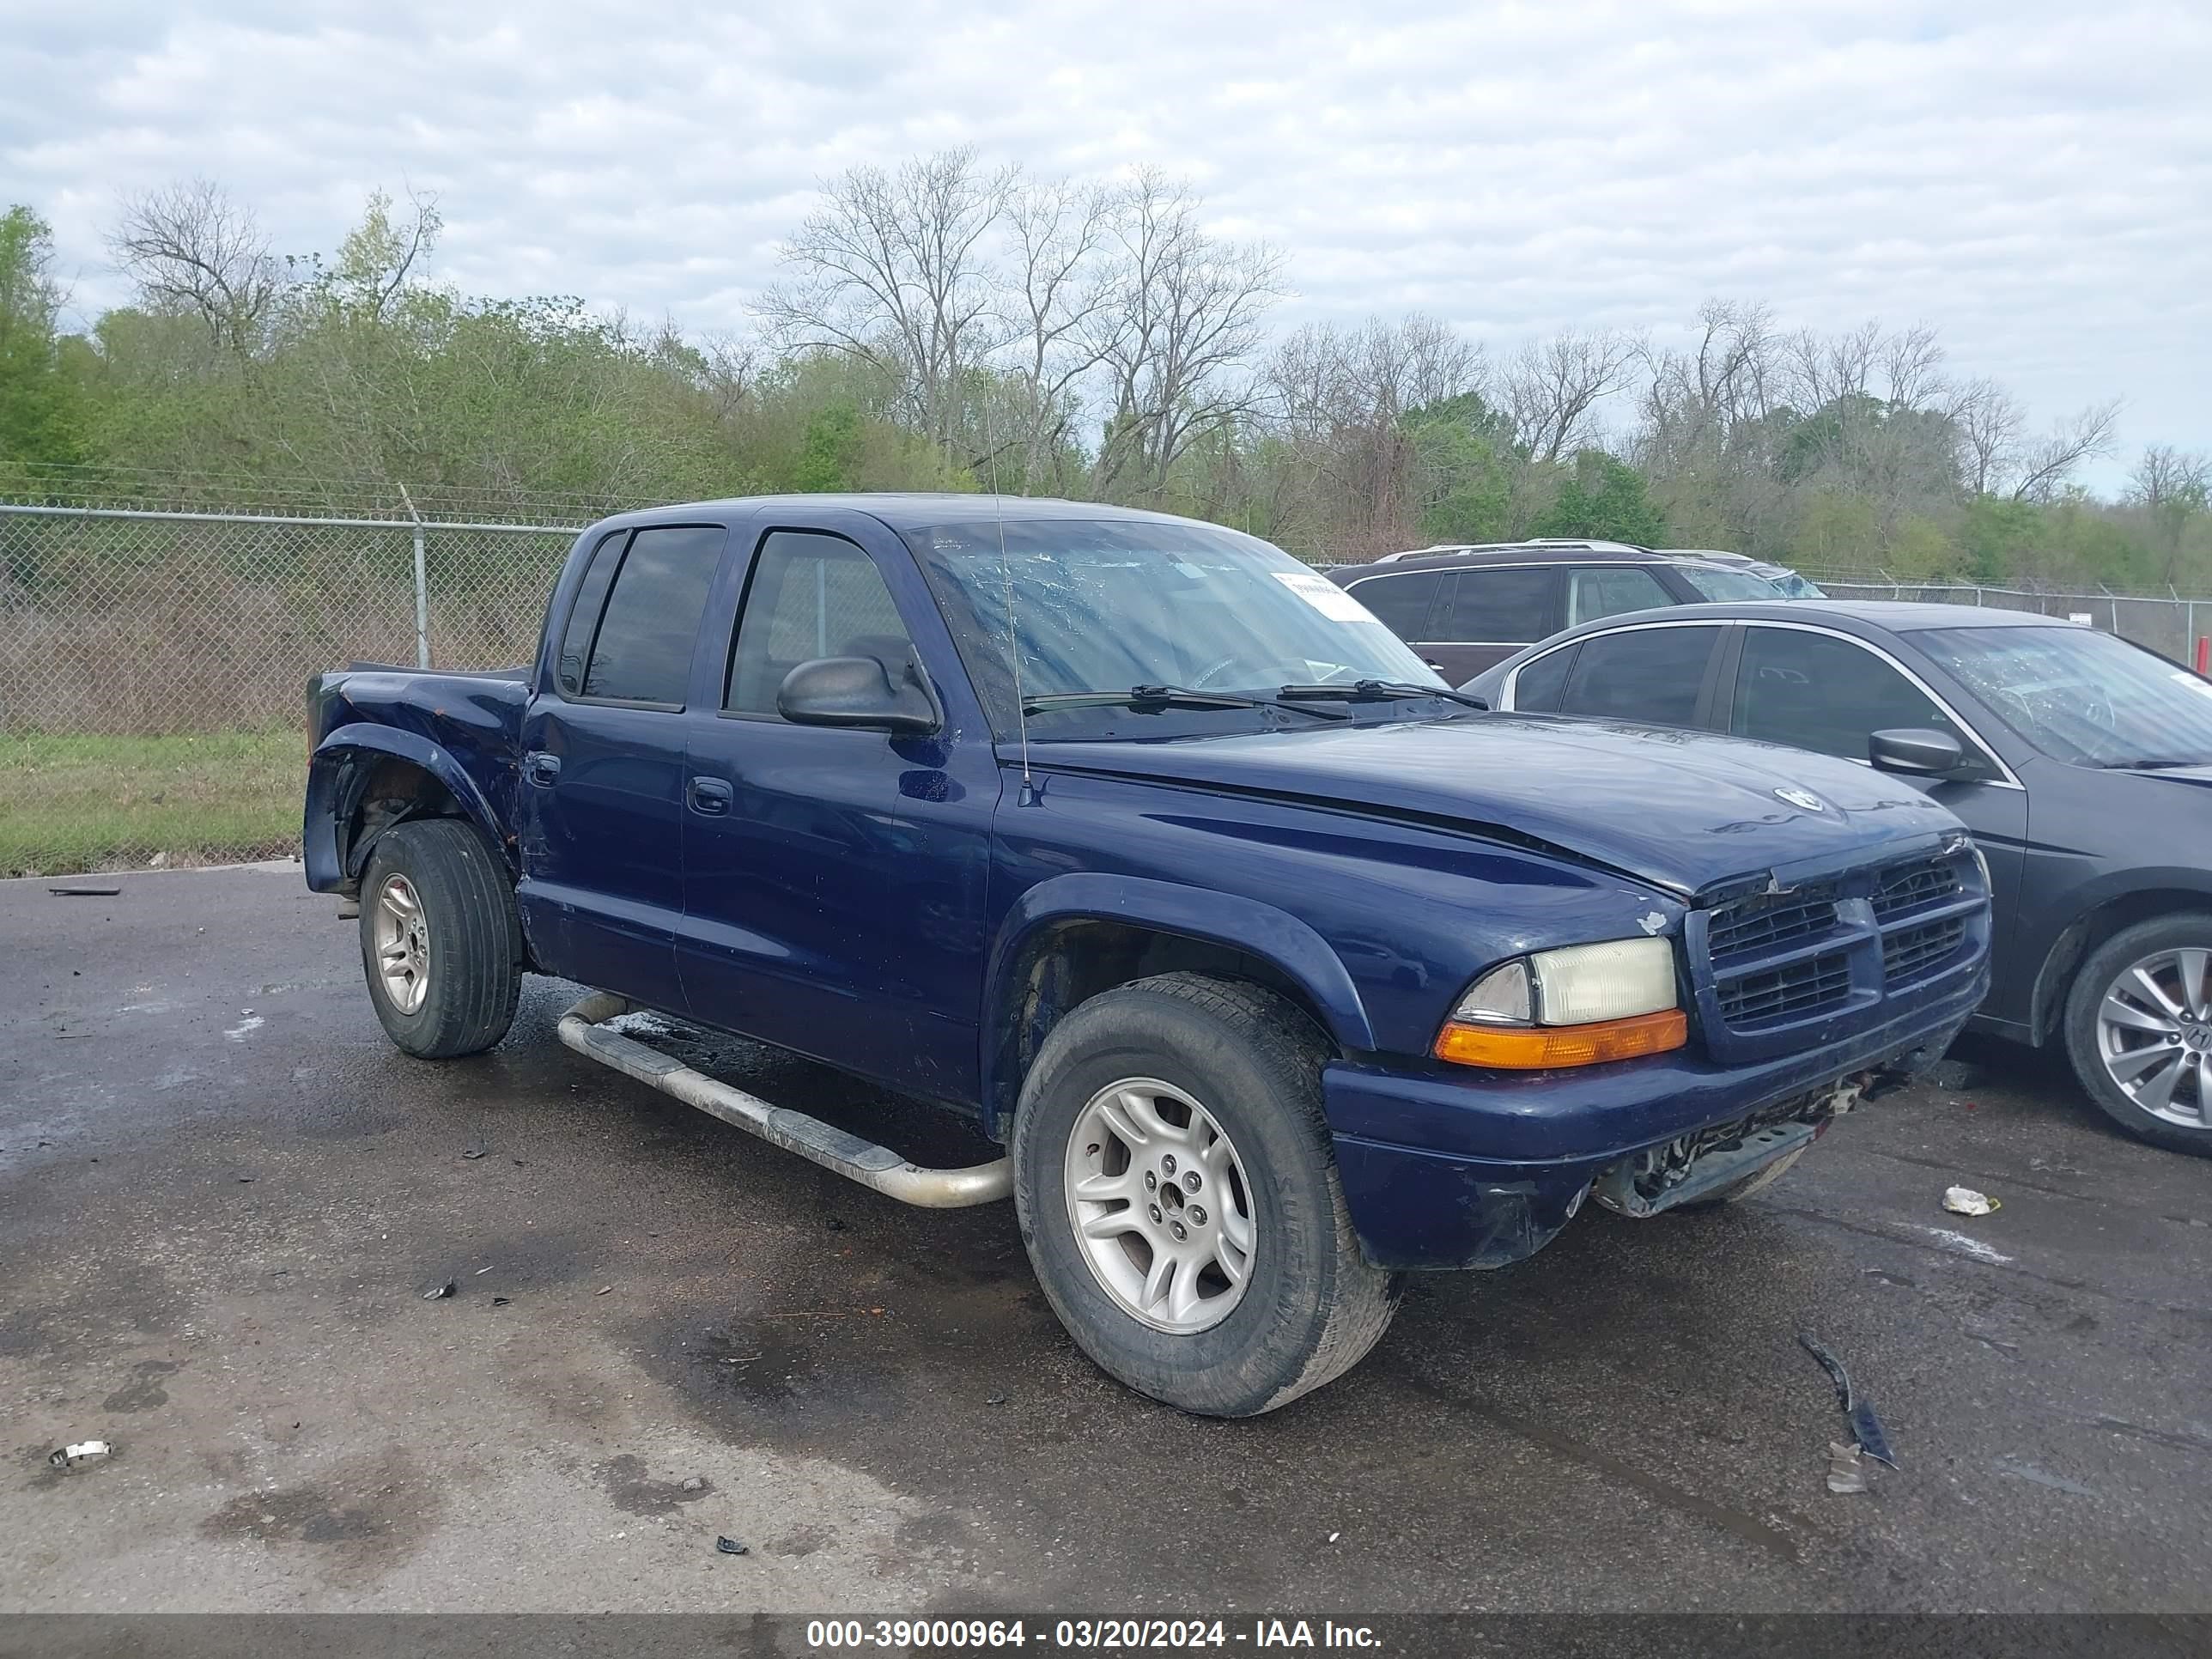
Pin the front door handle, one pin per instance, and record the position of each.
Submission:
(710, 796)
(541, 768)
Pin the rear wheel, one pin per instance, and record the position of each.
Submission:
(1176, 1189)
(441, 942)
(2138, 1028)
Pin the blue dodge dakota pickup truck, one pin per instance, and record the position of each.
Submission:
(1276, 967)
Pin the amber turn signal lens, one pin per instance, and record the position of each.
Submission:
(1539, 1047)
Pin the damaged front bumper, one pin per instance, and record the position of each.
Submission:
(1444, 1168)
(1702, 1164)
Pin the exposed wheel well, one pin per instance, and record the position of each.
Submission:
(392, 791)
(2091, 929)
(1065, 964)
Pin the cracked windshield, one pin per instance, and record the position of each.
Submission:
(1107, 607)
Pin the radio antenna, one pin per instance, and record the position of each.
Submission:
(1028, 795)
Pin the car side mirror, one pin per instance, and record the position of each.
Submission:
(860, 691)
(1915, 752)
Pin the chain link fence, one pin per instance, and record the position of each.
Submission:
(154, 665)
(153, 662)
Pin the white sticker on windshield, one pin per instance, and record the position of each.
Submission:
(2202, 688)
(1323, 595)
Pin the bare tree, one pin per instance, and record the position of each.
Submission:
(2166, 476)
(189, 248)
(1181, 334)
(1553, 388)
(1059, 311)
(2045, 465)
(1988, 420)
(894, 269)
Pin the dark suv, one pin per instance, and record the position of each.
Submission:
(1464, 608)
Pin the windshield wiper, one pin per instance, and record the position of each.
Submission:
(2159, 764)
(1378, 692)
(1168, 697)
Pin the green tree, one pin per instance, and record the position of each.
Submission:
(1603, 497)
(39, 418)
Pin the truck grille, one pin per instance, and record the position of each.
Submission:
(1910, 951)
(1793, 992)
(1770, 921)
(1910, 886)
(1834, 948)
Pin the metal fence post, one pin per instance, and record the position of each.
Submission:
(421, 587)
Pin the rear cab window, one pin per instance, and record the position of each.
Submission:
(630, 632)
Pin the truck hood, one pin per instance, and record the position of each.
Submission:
(1684, 811)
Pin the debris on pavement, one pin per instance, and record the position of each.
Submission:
(1865, 1425)
(500, 1301)
(84, 892)
(995, 1399)
(692, 1483)
(440, 1292)
(1846, 1469)
(82, 1453)
(603, 1289)
(472, 1152)
(1964, 1200)
(2041, 1477)
(1954, 1076)
(730, 1547)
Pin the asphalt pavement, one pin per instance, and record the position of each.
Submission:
(224, 1197)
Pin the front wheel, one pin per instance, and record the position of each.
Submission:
(2138, 1028)
(1175, 1189)
(440, 941)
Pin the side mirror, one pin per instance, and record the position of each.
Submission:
(860, 691)
(1915, 752)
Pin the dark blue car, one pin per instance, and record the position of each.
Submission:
(2081, 763)
(1276, 967)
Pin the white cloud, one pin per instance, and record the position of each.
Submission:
(2033, 177)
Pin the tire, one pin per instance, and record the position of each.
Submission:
(1306, 1306)
(2181, 1121)
(460, 966)
(1736, 1191)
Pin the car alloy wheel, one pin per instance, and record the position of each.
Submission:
(1159, 1205)
(2155, 1035)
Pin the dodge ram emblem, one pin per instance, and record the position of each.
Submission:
(1804, 798)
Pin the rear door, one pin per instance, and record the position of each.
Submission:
(1483, 615)
(599, 809)
(1659, 673)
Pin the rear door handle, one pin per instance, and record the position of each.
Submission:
(710, 796)
(541, 768)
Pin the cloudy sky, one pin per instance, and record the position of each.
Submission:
(2034, 176)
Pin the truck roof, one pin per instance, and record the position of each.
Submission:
(911, 509)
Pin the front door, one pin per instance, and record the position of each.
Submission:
(598, 806)
(835, 880)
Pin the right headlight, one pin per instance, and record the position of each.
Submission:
(1573, 1006)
